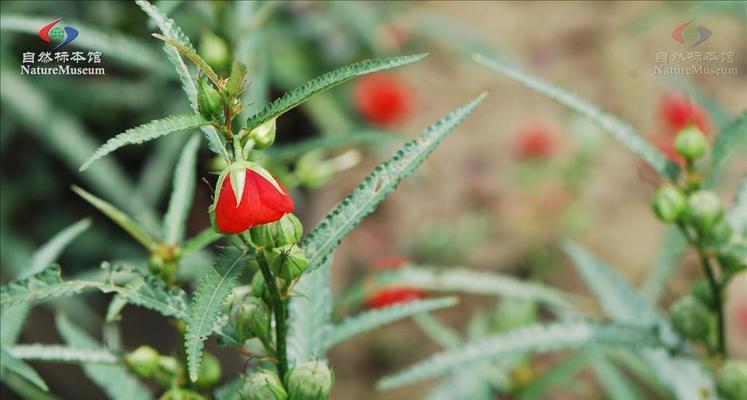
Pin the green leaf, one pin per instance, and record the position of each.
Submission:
(48, 253)
(170, 30)
(534, 338)
(57, 353)
(11, 323)
(369, 320)
(156, 172)
(736, 216)
(119, 217)
(192, 55)
(559, 374)
(325, 82)
(616, 385)
(466, 281)
(183, 190)
(143, 133)
(620, 130)
(290, 152)
(230, 390)
(309, 315)
(114, 380)
(321, 241)
(686, 378)
(13, 364)
(667, 263)
(732, 137)
(209, 297)
(438, 332)
(200, 241)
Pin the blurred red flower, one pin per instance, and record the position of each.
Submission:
(388, 296)
(536, 141)
(677, 111)
(383, 98)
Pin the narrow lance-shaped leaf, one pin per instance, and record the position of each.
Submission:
(320, 243)
(211, 293)
(47, 254)
(57, 353)
(327, 81)
(620, 130)
(200, 241)
(309, 315)
(731, 138)
(119, 217)
(534, 338)
(143, 133)
(15, 365)
(373, 319)
(288, 152)
(665, 266)
(183, 190)
(192, 55)
(115, 380)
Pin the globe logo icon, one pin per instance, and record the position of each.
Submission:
(53, 33)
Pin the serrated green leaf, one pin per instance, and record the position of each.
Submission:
(44, 256)
(534, 338)
(200, 241)
(230, 390)
(309, 315)
(560, 374)
(11, 323)
(15, 365)
(621, 131)
(667, 263)
(438, 332)
(194, 57)
(613, 382)
(170, 30)
(211, 292)
(730, 138)
(175, 221)
(466, 281)
(156, 172)
(323, 239)
(119, 217)
(143, 133)
(57, 353)
(114, 380)
(289, 152)
(685, 377)
(369, 320)
(325, 82)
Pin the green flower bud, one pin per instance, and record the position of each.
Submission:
(721, 233)
(732, 380)
(208, 100)
(213, 49)
(311, 380)
(209, 373)
(669, 203)
(237, 79)
(730, 262)
(286, 231)
(691, 318)
(704, 210)
(702, 291)
(168, 371)
(312, 171)
(259, 287)
(691, 143)
(263, 135)
(251, 318)
(289, 262)
(263, 385)
(143, 361)
(181, 394)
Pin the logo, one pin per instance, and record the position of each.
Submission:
(690, 35)
(53, 33)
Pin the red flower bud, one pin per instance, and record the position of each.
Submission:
(261, 201)
(678, 111)
(382, 98)
(393, 295)
(536, 141)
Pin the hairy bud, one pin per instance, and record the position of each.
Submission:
(691, 318)
(311, 380)
(691, 143)
(704, 210)
(210, 372)
(288, 262)
(286, 231)
(208, 100)
(251, 318)
(732, 380)
(702, 291)
(669, 203)
(264, 385)
(143, 361)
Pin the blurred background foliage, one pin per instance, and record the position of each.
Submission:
(523, 174)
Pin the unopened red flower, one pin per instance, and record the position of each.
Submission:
(393, 295)
(677, 111)
(536, 142)
(262, 201)
(383, 98)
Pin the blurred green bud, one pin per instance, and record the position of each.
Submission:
(691, 143)
(702, 291)
(263, 385)
(263, 135)
(731, 262)
(237, 79)
(311, 380)
(289, 262)
(251, 318)
(168, 371)
(209, 373)
(180, 394)
(669, 203)
(208, 100)
(285, 231)
(143, 361)
(165, 269)
(704, 210)
(721, 233)
(691, 318)
(312, 171)
(732, 380)
(259, 287)
(213, 49)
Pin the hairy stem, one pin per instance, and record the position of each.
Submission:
(279, 306)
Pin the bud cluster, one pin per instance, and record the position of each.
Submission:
(168, 372)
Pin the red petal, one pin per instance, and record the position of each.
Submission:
(393, 295)
(261, 203)
(382, 98)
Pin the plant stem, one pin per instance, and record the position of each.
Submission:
(279, 309)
